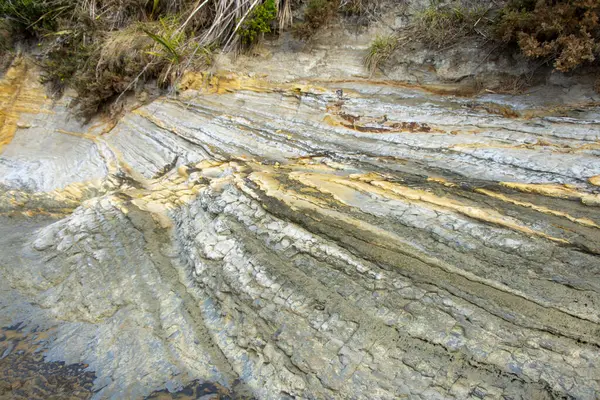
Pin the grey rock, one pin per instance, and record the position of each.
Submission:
(260, 240)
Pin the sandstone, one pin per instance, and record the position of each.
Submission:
(329, 262)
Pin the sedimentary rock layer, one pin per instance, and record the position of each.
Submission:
(347, 239)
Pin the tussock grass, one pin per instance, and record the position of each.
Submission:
(440, 26)
(379, 51)
(143, 51)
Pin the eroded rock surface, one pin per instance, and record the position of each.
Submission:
(350, 239)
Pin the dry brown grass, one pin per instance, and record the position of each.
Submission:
(439, 26)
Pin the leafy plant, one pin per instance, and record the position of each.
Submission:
(34, 17)
(169, 40)
(257, 22)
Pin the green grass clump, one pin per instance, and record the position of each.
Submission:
(379, 51)
(34, 17)
(259, 21)
(441, 26)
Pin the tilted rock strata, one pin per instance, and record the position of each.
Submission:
(285, 241)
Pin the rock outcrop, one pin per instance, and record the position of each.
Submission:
(334, 239)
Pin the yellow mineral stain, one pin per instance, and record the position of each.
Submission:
(549, 146)
(69, 197)
(156, 121)
(441, 181)
(78, 134)
(20, 93)
(222, 82)
(208, 164)
(335, 186)
(323, 167)
(376, 124)
(550, 190)
(492, 145)
(267, 181)
(553, 190)
(374, 234)
(228, 82)
(161, 195)
(581, 221)
(329, 184)
(595, 180)
(443, 89)
(37, 212)
(332, 121)
(481, 214)
(183, 171)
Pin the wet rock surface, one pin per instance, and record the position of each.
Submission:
(25, 375)
(348, 239)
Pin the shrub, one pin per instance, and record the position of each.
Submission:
(566, 31)
(6, 46)
(142, 52)
(66, 51)
(102, 69)
(257, 22)
(109, 67)
(360, 7)
(317, 14)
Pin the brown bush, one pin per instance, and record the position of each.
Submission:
(565, 31)
(317, 14)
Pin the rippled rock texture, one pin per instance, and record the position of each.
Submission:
(349, 239)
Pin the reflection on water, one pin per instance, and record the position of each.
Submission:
(197, 390)
(25, 375)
